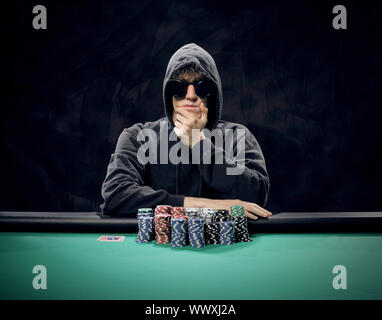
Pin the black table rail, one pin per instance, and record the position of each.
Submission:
(283, 222)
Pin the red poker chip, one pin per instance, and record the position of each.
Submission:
(162, 226)
(163, 209)
(179, 212)
(176, 211)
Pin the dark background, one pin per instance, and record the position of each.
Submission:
(309, 93)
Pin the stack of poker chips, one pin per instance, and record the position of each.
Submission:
(227, 232)
(197, 227)
(240, 224)
(196, 232)
(177, 212)
(222, 215)
(226, 227)
(211, 227)
(179, 234)
(237, 211)
(192, 212)
(162, 224)
(146, 225)
(207, 212)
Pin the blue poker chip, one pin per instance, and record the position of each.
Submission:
(145, 214)
(196, 232)
(145, 229)
(227, 233)
(179, 232)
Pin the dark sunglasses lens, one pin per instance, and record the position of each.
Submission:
(178, 88)
(204, 88)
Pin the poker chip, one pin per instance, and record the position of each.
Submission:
(207, 210)
(177, 212)
(196, 232)
(211, 232)
(192, 212)
(207, 214)
(227, 232)
(241, 229)
(181, 237)
(163, 209)
(237, 211)
(208, 217)
(179, 231)
(196, 227)
(145, 214)
(222, 215)
(211, 227)
(162, 228)
(146, 229)
(162, 224)
(145, 210)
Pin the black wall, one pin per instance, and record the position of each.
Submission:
(309, 93)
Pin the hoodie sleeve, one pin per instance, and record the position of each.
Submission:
(250, 181)
(124, 190)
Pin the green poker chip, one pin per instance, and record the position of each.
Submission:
(145, 210)
(237, 211)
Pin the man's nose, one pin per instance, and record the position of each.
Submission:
(191, 94)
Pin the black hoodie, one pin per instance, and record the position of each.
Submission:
(130, 185)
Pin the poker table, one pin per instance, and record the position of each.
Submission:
(292, 255)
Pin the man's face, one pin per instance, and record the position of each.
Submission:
(191, 102)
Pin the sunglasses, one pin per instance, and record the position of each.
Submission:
(203, 88)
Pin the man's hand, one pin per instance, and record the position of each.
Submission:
(252, 210)
(189, 123)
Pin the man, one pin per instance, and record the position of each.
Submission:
(193, 101)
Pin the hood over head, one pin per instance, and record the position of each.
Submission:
(192, 54)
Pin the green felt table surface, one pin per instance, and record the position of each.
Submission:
(272, 266)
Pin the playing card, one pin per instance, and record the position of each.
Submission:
(111, 238)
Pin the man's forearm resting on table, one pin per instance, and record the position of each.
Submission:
(193, 202)
(251, 209)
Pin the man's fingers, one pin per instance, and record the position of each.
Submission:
(250, 215)
(203, 107)
(258, 210)
(176, 129)
(179, 129)
(181, 118)
(268, 213)
(185, 113)
(203, 115)
(178, 124)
